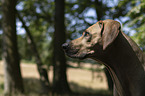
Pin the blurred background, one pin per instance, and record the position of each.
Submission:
(32, 62)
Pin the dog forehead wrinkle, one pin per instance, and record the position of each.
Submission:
(76, 41)
(96, 39)
(94, 28)
(84, 42)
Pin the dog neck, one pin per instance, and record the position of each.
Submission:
(125, 62)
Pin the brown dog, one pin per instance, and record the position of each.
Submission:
(106, 43)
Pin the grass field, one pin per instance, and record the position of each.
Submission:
(80, 81)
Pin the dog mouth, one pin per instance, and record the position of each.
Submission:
(74, 53)
(78, 56)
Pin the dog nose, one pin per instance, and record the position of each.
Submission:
(65, 46)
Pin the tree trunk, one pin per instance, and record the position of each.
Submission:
(42, 71)
(99, 9)
(60, 84)
(13, 80)
(100, 14)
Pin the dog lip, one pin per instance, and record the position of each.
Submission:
(77, 56)
(74, 53)
(70, 51)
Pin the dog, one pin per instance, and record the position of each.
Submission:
(107, 44)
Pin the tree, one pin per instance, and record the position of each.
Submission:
(60, 84)
(38, 16)
(136, 22)
(13, 80)
(42, 71)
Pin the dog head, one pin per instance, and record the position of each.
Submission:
(94, 40)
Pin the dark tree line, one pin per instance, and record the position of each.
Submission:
(13, 79)
(42, 71)
(60, 83)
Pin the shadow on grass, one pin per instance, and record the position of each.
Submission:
(1, 83)
(86, 91)
(33, 88)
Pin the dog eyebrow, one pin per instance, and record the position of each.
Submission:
(86, 31)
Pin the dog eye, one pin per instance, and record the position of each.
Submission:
(86, 34)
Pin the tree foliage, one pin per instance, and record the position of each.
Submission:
(136, 22)
(79, 15)
(38, 16)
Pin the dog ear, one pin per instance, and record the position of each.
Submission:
(110, 32)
